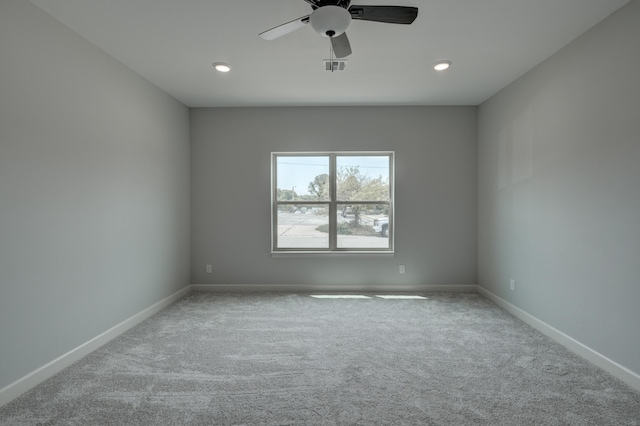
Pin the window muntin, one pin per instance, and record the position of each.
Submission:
(332, 202)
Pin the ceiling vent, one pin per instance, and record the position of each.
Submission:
(335, 65)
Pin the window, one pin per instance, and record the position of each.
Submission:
(332, 202)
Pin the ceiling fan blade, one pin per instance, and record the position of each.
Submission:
(341, 46)
(283, 29)
(388, 14)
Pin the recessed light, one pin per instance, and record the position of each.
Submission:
(441, 65)
(222, 67)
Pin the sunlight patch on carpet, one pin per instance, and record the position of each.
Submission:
(400, 296)
(340, 296)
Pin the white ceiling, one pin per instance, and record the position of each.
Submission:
(173, 43)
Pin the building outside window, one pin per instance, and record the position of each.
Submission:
(332, 202)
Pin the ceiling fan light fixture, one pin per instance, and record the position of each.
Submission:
(330, 21)
(442, 65)
(221, 67)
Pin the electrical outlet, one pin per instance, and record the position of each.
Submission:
(401, 269)
(209, 269)
(512, 283)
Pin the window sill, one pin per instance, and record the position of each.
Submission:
(330, 254)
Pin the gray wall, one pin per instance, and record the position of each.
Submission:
(435, 193)
(94, 191)
(559, 190)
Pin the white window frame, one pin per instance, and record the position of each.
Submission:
(332, 250)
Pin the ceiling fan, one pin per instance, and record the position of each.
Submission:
(330, 18)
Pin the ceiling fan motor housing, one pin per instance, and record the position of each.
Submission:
(330, 21)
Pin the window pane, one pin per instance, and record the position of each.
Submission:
(302, 178)
(362, 178)
(303, 226)
(363, 226)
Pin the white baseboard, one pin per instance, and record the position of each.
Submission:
(20, 386)
(629, 377)
(306, 288)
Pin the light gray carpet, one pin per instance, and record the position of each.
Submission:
(287, 359)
